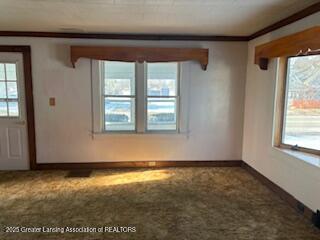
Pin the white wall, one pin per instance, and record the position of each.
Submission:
(299, 178)
(216, 106)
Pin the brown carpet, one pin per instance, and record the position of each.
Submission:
(173, 203)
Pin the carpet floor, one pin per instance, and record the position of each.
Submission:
(169, 203)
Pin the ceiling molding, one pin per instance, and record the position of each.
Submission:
(288, 20)
(124, 36)
(170, 37)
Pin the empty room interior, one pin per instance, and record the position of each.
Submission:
(160, 119)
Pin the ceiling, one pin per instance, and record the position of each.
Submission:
(196, 17)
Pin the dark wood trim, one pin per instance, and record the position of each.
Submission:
(26, 53)
(138, 164)
(263, 63)
(125, 36)
(287, 197)
(140, 54)
(288, 20)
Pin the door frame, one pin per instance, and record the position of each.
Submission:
(28, 89)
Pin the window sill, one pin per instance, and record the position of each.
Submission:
(153, 134)
(306, 157)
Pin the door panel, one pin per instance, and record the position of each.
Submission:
(13, 122)
(14, 143)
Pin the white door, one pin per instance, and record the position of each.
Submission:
(13, 121)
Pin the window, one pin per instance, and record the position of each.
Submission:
(119, 96)
(8, 90)
(157, 95)
(301, 118)
(162, 96)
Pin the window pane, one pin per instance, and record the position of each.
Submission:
(162, 114)
(119, 78)
(13, 109)
(2, 75)
(302, 114)
(12, 90)
(11, 71)
(3, 109)
(3, 93)
(119, 114)
(162, 79)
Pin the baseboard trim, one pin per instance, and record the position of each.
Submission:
(137, 164)
(283, 194)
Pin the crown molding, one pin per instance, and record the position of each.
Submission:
(124, 36)
(170, 37)
(288, 20)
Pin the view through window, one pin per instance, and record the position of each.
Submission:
(302, 108)
(9, 106)
(119, 96)
(162, 85)
(158, 96)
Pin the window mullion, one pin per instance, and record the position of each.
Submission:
(140, 95)
(121, 96)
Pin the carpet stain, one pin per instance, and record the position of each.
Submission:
(168, 203)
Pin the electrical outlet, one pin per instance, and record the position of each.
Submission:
(152, 164)
(52, 101)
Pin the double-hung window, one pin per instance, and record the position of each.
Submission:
(119, 98)
(152, 87)
(162, 96)
(301, 114)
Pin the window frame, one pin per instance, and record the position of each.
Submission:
(280, 110)
(176, 97)
(141, 97)
(8, 100)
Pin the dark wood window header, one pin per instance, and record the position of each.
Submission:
(299, 43)
(140, 54)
